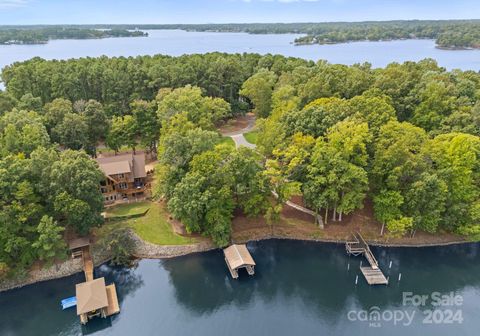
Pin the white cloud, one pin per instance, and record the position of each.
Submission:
(13, 3)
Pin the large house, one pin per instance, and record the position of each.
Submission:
(125, 177)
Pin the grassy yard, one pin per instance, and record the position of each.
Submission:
(128, 209)
(123, 149)
(227, 140)
(153, 227)
(251, 137)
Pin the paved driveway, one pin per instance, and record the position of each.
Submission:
(241, 141)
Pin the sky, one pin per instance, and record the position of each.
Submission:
(225, 11)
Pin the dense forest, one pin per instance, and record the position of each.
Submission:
(405, 137)
(42, 34)
(447, 33)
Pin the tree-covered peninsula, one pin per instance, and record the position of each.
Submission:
(43, 34)
(404, 138)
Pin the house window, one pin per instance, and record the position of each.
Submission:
(121, 175)
(103, 189)
(123, 185)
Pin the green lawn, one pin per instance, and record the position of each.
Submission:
(128, 209)
(153, 227)
(251, 137)
(123, 149)
(228, 141)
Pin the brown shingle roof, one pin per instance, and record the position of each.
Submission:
(139, 166)
(78, 243)
(237, 256)
(123, 163)
(113, 168)
(91, 296)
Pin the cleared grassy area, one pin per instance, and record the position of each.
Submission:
(128, 209)
(153, 227)
(228, 141)
(251, 137)
(123, 149)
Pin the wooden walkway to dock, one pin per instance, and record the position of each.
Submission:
(373, 274)
(87, 263)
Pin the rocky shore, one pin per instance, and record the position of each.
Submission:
(146, 250)
(143, 249)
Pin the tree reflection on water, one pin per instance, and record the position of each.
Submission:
(316, 278)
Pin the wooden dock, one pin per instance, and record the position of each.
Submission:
(87, 264)
(113, 307)
(94, 298)
(373, 274)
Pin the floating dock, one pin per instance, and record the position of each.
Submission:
(236, 257)
(373, 274)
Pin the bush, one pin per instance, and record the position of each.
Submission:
(120, 245)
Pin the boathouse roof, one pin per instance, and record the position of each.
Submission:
(238, 256)
(91, 295)
(78, 243)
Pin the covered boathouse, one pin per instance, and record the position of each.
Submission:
(236, 257)
(94, 298)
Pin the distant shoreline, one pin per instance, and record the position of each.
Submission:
(451, 48)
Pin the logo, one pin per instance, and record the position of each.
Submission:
(446, 311)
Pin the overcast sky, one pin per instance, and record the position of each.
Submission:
(221, 11)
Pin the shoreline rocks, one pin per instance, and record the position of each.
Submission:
(146, 250)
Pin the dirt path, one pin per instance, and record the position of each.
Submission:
(240, 126)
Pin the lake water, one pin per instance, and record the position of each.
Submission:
(177, 42)
(299, 288)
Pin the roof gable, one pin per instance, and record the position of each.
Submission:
(91, 295)
(123, 163)
(237, 256)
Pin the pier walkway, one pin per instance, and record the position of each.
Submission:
(373, 274)
(87, 263)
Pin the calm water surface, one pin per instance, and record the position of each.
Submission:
(299, 289)
(177, 42)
